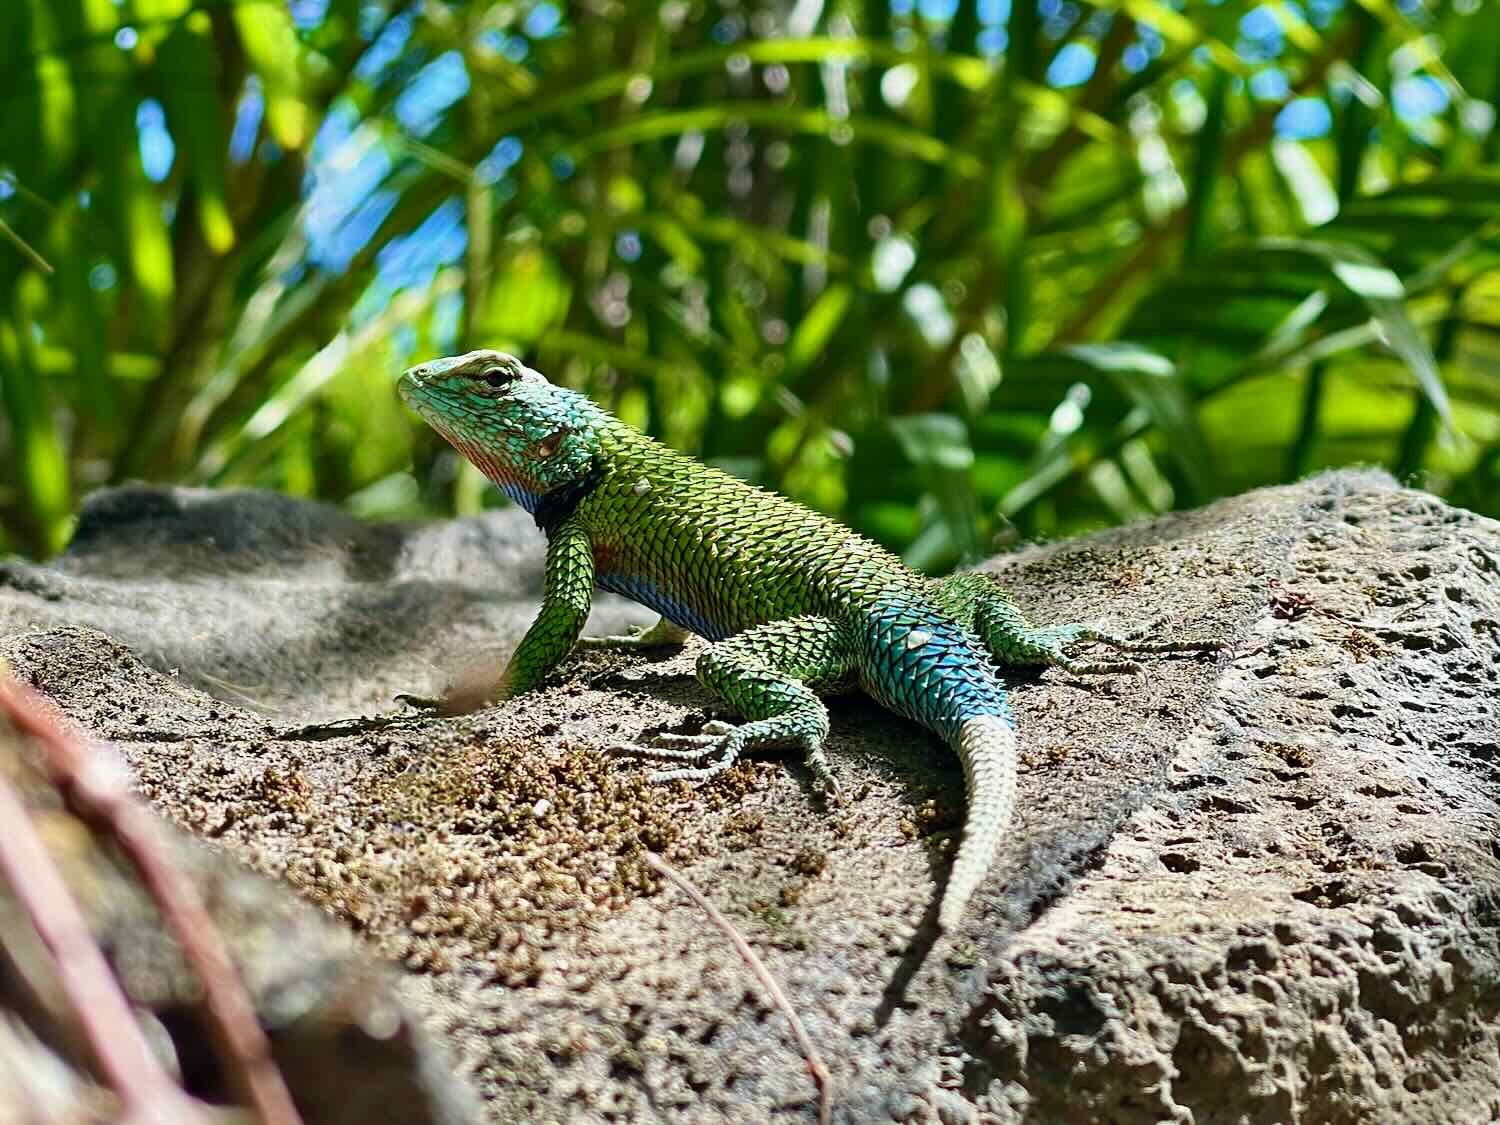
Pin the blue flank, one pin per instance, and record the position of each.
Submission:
(643, 590)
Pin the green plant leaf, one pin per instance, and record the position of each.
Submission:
(1381, 291)
(187, 56)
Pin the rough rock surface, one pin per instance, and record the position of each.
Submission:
(1253, 887)
(287, 608)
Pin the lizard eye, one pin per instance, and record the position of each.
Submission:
(498, 376)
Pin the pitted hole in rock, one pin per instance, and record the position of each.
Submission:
(1072, 1010)
(1228, 805)
(1196, 781)
(1415, 853)
(1179, 863)
(1330, 895)
(1253, 956)
(1300, 801)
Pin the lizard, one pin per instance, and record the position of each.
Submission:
(794, 605)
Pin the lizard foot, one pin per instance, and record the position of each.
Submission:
(428, 703)
(1101, 667)
(1134, 642)
(463, 695)
(718, 737)
(1131, 644)
(664, 634)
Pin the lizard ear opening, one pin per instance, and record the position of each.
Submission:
(549, 444)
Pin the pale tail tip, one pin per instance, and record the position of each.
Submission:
(987, 748)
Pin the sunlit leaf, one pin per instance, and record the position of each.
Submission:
(814, 122)
(528, 297)
(188, 53)
(1150, 381)
(972, 73)
(937, 446)
(1382, 293)
(271, 45)
(818, 326)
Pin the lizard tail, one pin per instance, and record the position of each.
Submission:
(987, 749)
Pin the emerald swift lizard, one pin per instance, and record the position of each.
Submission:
(794, 604)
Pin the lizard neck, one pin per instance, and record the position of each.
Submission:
(552, 508)
(548, 506)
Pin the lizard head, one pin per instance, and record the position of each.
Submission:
(528, 436)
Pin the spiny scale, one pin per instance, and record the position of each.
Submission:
(795, 602)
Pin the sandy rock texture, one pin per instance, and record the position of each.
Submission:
(1257, 885)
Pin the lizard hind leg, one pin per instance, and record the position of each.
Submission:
(1014, 640)
(769, 675)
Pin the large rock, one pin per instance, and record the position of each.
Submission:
(288, 608)
(1259, 886)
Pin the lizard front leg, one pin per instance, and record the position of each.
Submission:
(769, 674)
(568, 592)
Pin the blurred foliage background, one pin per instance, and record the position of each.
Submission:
(957, 272)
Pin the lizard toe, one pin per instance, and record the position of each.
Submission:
(693, 748)
(694, 774)
(708, 739)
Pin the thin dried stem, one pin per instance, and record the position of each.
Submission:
(768, 982)
(120, 1050)
(98, 796)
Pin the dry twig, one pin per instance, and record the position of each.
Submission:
(98, 796)
(119, 1046)
(758, 967)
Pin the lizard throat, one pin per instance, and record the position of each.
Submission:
(490, 467)
(549, 508)
(555, 506)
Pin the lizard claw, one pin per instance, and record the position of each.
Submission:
(628, 640)
(718, 745)
(703, 742)
(467, 692)
(455, 702)
(680, 747)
